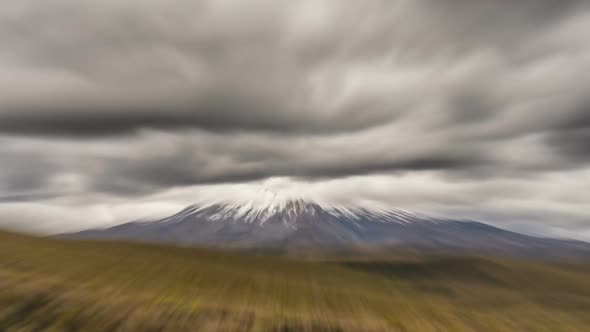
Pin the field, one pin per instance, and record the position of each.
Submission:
(57, 285)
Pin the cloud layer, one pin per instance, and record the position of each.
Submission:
(120, 102)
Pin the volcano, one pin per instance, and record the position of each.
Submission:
(292, 225)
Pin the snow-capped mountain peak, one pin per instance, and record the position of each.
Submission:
(292, 212)
(296, 223)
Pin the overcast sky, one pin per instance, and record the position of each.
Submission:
(114, 110)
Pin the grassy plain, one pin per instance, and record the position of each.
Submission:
(58, 285)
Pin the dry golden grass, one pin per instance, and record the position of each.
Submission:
(54, 285)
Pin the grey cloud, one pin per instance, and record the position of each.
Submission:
(573, 144)
(24, 172)
(179, 171)
(155, 66)
(156, 161)
(29, 197)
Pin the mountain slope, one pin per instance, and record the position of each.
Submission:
(302, 225)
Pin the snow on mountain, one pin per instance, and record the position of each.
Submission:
(289, 212)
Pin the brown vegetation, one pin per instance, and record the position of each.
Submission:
(55, 285)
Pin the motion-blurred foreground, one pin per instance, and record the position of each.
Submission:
(59, 285)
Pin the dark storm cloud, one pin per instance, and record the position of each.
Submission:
(130, 98)
(573, 144)
(29, 197)
(223, 113)
(182, 169)
(244, 67)
(215, 69)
